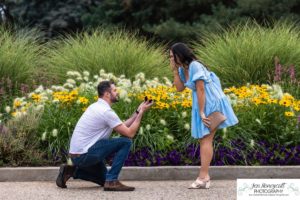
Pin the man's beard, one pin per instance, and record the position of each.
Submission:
(114, 99)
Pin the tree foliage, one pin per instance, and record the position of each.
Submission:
(166, 19)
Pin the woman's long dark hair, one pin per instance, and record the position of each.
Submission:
(182, 53)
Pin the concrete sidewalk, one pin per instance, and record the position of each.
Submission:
(145, 190)
(169, 182)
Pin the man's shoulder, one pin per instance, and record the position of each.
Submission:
(97, 106)
(101, 109)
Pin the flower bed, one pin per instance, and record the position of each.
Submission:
(266, 154)
(265, 113)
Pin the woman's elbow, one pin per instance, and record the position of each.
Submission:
(179, 88)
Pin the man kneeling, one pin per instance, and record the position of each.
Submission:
(90, 143)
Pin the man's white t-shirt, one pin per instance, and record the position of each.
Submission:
(96, 123)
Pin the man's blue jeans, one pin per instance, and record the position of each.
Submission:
(91, 167)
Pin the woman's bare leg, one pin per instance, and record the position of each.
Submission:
(206, 153)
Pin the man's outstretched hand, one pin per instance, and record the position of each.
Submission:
(145, 106)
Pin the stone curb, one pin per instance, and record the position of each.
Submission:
(160, 173)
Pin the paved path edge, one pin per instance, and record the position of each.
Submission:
(11, 174)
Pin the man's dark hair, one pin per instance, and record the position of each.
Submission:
(104, 86)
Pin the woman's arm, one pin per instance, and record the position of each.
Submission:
(200, 95)
(177, 81)
(201, 101)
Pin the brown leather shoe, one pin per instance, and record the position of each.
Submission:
(65, 172)
(116, 186)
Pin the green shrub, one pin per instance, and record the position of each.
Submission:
(19, 144)
(19, 54)
(19, 59)
(117, 52)
(246, 53)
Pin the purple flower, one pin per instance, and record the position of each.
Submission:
(292, 73)
(278, 72)
(174, 157)
(266, 154)
(24, 89)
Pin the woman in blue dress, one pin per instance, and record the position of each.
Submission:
(207, 97)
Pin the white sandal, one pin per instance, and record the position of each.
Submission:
(200, 184)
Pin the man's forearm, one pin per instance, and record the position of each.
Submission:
(136, 123)
(130, 120)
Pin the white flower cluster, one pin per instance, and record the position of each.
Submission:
(275, 91)
(84, 84)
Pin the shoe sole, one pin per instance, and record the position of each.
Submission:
(206, 186)
(59, 179)
(118, 190)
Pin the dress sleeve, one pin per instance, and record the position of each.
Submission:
(198, 72)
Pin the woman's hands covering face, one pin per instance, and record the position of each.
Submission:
(173, 65)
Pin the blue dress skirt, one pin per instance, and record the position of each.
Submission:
(215, 99)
